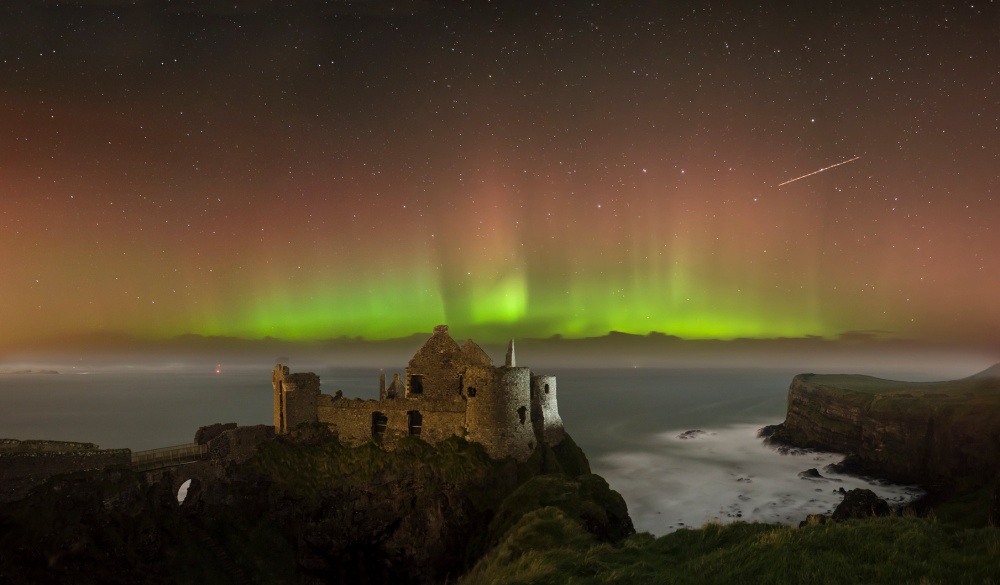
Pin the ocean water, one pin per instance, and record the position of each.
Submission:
(632, 423)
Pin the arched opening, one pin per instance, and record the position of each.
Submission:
(416, 384)
(523, 414)
(183, 491)
(379, 422)
(414, 422)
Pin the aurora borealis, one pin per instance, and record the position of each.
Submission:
(317, 169)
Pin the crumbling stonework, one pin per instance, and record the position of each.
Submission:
(498, 415)
(295, 397)
(448, 390)
(27, 464)
(544, 410)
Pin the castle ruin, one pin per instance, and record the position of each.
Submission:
(448, 390)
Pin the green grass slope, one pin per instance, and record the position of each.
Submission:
(549, 547)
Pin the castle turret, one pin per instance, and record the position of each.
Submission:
(545, 411)
(499, 409)
(295, 398)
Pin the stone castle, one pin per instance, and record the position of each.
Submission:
(449, 390)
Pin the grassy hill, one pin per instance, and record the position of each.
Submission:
(548, 547)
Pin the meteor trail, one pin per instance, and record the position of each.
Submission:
(820, 171)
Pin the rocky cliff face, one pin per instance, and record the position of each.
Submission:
(937, 434)
(302, 509)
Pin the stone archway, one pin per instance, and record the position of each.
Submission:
(189, 492)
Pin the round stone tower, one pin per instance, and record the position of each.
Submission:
(498, 411)
(544, 410)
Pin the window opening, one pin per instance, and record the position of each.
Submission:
(523, 413)
(546, 388)
(471, 391)
(379, 422)
(416, 384)
(414, 421)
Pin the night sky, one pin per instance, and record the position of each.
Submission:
(376, 168)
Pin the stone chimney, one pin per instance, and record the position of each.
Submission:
(510, 362)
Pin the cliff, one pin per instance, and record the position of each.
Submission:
(301, 509)
(940, 435)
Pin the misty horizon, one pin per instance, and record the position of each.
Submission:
(850, 353)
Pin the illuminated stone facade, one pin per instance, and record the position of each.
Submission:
(448, 390)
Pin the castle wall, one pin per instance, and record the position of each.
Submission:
(20, 471)
(350, 419)
(545, 418)
(438, 426)
(498, 415)
(33, 446)
(295, 397)
(448, 391)
(237, 444)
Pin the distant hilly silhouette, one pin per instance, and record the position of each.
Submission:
(614, 349)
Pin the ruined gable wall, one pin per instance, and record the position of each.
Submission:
(474, 355)
(493, 417)
(545, 417)
(440, 362)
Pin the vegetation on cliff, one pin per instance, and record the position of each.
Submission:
(304, 509)
(547, 546)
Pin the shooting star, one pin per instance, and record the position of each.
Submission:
(820, 171)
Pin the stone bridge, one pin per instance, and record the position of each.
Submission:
(168, 456)
(203, 461)
(180, 463)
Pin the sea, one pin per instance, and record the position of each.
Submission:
(679, 444)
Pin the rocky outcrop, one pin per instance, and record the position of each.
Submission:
(935, 434)
(860, 503)
(301, 508)
(205, 434)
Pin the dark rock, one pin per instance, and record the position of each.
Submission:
(206, 434)
(692, 434)
(811, 473)
(848, 466)
(861, 503)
